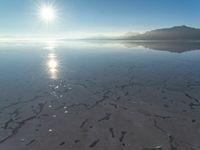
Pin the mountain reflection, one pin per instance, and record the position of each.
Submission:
(171, 46)
(162, 45)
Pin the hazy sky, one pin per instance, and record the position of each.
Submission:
(20, 16)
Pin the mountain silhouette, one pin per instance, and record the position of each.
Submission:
(174, 33)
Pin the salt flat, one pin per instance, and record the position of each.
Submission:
(99, 95)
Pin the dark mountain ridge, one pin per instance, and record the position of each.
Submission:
(174, 33)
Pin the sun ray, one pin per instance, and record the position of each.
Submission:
(47, 13)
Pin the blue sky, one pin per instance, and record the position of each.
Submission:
(19, 17)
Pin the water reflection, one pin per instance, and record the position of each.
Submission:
(170, 46)
(52, 60)
(50, 44)
(53, 68)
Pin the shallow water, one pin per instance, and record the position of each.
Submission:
(99, 95)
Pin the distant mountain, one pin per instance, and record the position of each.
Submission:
(174, 33)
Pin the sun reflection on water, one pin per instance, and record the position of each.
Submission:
(52, 61)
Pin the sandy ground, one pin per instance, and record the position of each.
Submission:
(111, 105)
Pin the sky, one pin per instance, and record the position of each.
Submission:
(74, 17)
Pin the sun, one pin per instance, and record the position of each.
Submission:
(47, 13)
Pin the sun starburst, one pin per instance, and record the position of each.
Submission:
(47, 13)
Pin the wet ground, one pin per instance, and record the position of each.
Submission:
(101, 96)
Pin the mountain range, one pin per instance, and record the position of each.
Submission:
(173, 33)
